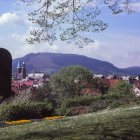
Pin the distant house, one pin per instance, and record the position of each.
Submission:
(136, 88)
(38, 76)
(20, 86)
(125, 78)
(112, 77)
(98, 76)
(137, 78)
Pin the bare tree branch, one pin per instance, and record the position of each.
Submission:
(69, 20)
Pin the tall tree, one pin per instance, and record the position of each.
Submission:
(70, 20)
(69, 81)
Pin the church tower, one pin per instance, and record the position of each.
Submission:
(23, 70)
(18, 70)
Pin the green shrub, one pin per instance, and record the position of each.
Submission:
(122, 89)
(79, 101)
(42, 93)
(94, 103)
(32, 110)
(90, 99)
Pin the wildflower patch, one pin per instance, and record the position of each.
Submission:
(18, 122)
(53, 117)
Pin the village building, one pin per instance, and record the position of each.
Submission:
(101, 76)
(136, 88)
(32, 81)
(27, 82)
(38, 76)
(125, 78)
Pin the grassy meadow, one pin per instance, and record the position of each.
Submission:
(121, 123)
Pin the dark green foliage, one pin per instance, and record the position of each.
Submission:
(92, 103)
(100, 86)
(79, 101)
(21, 111)
(70, 103)
(27, 106)
(121, 89)
(42, 94)
(45, 89)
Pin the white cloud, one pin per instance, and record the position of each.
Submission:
(8, 18)
(26, 48)
(121, 50)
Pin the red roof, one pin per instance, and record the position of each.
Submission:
(111, 82)
(28, 83)
(18, 86)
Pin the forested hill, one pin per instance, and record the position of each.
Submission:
(52, 62)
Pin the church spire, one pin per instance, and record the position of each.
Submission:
(23, 70)
(18, 70)
(23, 64)
(18, 65)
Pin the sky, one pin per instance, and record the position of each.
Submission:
(119, 44)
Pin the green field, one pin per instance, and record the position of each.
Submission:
(121, 123)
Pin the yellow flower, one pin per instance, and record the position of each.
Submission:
(18, 122)
(54, 117)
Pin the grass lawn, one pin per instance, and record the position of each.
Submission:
(120, 124)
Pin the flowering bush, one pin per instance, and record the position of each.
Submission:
(23, 111)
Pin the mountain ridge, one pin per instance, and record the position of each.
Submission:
(52, 62)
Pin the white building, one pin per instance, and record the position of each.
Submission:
(136, 91)
(38, 76)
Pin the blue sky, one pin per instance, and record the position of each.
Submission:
(119, 44)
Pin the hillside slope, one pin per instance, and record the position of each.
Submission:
(133, 70)
(51, 62)
(120, 124)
